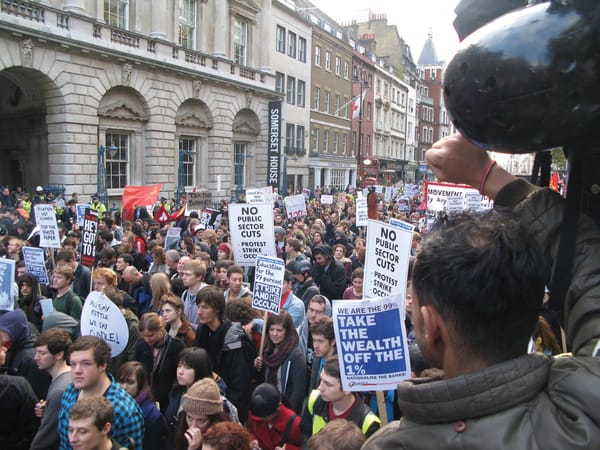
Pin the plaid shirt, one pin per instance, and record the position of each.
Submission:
(129, 420)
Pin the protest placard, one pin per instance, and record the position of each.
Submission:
(371, 343)
(268, 283)
(341, 200)
(7, 275)
(403, 205)
(362, 215)
(210, 218)
(47, 306)
(252, 232)
(437, 195)
(102, 318)
(81, 208)
(45, 218)
(35, 263)
(173, 235)
(295, 205)
(386, 259)
(197, 201)
(88, 238)
(326, 199)
(455, 204)
(260, 195)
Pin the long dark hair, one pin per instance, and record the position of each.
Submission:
(285, 320)
(180, 442)
(198, 359)
(136, 369)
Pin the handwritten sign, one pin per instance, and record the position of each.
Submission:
(102, 318)
(295, 205)
(268, 283)
(437, 196)
(88, 238)
(362, 211)
(260, 195)
(371, 343)
(45, 218)
(326, 199)
(252, 232)
(35, 264)
(197, 201)
(7, 275)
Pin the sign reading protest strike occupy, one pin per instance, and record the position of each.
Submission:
(7, 275)
(386, 260)
(295, 205)
(268, 283)
(274, 154)
(88, 238)
(371, 343)
(252, 232)
(102, 318)
(45, 218)
(34, 262)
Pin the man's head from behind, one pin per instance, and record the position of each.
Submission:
(477, 285)
(90, 422)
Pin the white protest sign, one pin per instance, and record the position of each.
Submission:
(371, 342)
(386, 260)
(295, 206)
(45, 218)
(7, 275)
(80, 208)
(35, 264)
(362, 212)
(455, 204)
(47, 306)
(102, 318)
(260, 195)
(437, 195)
(268, 284)
(172, 238)
(326, 199)
(252, 232)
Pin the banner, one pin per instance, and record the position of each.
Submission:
(268, 284)
(88, 238)
(326, 199)
(140, 195)
(371, 343)
(274, 154)
(451, 198)
(386, 259)
(295, 206)
(35, 263)
(7, 275)
(45, 218)
(252, 232)
(102, 318)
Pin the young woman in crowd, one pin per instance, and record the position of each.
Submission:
(224, 252)
(29, 299)
(176, 324)
(355, 292)
(160, 286)
(132, 377)
(159, 263)
(283, 363)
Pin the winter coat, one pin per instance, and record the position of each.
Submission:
(291, 375)
(331, 279)
(533, 401)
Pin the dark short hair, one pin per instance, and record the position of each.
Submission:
(265, 400)
(99, 346)
(240, 310)
(484, 274)
(332, 367)
(323, 326)
(213, 297)
(234, 268)
(56, 339)
(99, 408)
(126, 257)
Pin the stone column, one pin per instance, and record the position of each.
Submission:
(159, 19)
(76, 6)
(221, 28)
(264, 44)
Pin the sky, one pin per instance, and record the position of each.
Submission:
(414, 19)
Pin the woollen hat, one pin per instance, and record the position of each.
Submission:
(224, 248)
(203, 398)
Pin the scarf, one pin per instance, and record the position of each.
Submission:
(274, 359)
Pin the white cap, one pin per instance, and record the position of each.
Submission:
(39, 189)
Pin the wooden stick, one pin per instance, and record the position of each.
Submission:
(381, 407)
(264, 332)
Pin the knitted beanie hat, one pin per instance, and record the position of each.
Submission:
(203, 398)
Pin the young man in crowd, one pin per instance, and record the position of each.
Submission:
(323, 339)
(289, 302)
(318, 306)
(90, 424)
(65, 300)
(193, 279)
(236, 289)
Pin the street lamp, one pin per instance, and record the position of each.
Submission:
(181, 175)
(101, 175)
(364, 84)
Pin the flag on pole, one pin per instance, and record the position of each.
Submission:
(140, 195)
(554, 180)
(356, 105)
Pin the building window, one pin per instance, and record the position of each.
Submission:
(299, 137)
(315, 140)
(328, 61)
(291, 90)
(317, 56)
(240, 41)
(344, 143)
(337, 178)
(280, 39)
(239, 161)
(289, 136)
(337, 105)
(369, 110)
(325, 141)
(338, 66)
(336, 142)
(346, 70)
(279, 82)
(346, 106)
(117, 162)
(301, 94)
(301, 49)
(187, 156)
(116, 13)
(187, 23)
(292, 44)
(327, 95)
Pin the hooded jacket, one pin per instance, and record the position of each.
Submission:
(31, 303)
(331, 279)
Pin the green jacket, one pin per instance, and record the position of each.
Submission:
(69, 304)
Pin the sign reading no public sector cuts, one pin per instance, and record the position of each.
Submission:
(252, 232)
(35, 264)
(386, 259)
(45, 218)
(88, 238)
(371, 343)
(268, 284)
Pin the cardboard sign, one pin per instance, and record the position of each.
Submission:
(295, 205)
(371, 343)
(197, 201)
(387, 258)
(268, 283)
(326, 199)
(35, 263)
(102, 318)
(45, 218)
(252, 232)
(7, 275)
(88, 238)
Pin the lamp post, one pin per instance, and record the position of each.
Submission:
(101, 175)
(181, 174)
(359, 162)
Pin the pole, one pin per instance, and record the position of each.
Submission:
(359, 150)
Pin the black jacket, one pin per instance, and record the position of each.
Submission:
(331, 279)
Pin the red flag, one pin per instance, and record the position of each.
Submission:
(140, 195)
(554, 180)
(356, 105)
